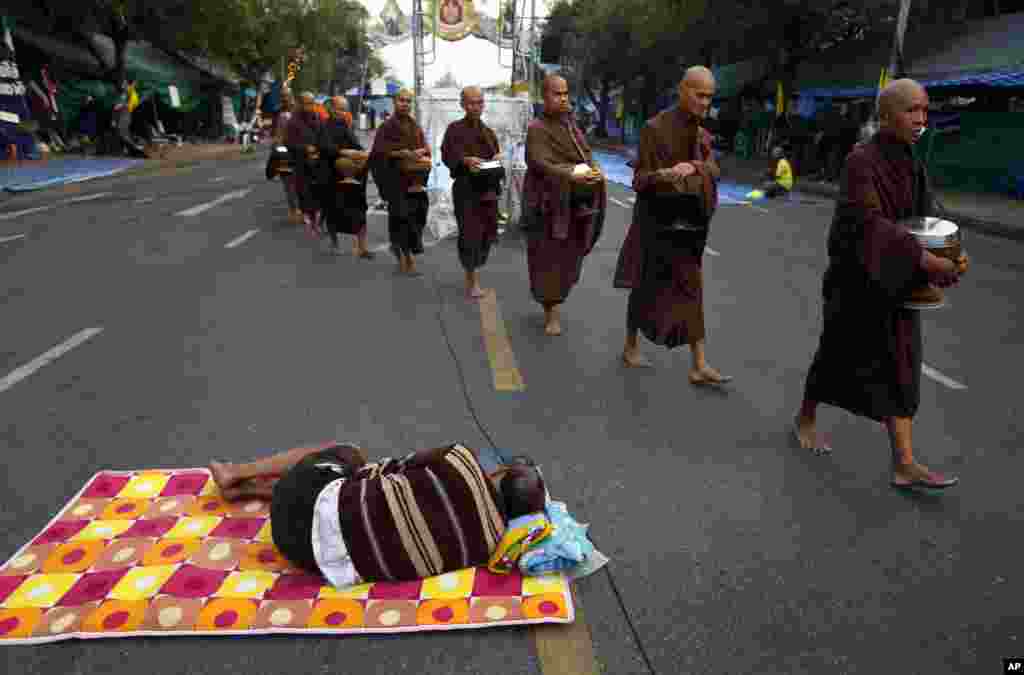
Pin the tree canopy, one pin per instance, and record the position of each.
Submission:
(250, 36)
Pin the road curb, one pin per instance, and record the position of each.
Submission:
(968, 221)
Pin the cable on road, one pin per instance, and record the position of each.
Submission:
(483, 430)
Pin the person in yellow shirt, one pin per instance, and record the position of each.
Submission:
(780, 176)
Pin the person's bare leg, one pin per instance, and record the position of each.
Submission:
(473, 289)
(361, 244)
(552, 319)
(631, 355)
(807, 431)
(228, 476)
(904, 467)
(410, 266)
(250, 489)
(402, 266)
(700, 371)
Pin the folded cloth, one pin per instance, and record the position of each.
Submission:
(567, 549)
(521, 534)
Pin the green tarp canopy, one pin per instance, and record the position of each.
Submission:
(731, 79)
(79, 75)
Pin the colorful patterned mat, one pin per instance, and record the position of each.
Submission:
(158, 552)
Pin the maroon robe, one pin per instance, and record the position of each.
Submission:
(476, 207)
(407, 211)
(561, 229)
(303, 130)
(660, 261)
(344, 204)
(869, 357)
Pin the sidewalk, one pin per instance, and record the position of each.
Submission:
(33, 175)
(993, 214)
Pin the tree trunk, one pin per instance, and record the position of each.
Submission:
(602, 108)
(119, 72)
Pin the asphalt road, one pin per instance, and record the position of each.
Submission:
(732, 551)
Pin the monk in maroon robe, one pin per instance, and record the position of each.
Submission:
(467, 144)
(301, 139)
(564, 202)
(397, 140)
(869, 357)
(677, 193)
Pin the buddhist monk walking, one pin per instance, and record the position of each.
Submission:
(467, 144)
(343, 198)
(400, 163)
(675, 180)
(301, 139)
(869, 357)
(564, 201)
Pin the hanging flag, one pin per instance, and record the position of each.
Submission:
(455, 19)
(883, 79)
(133, 98)
(13, 106)
(780, 99)
(506, 26)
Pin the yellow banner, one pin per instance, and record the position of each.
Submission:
(455, 19)
(780, 99)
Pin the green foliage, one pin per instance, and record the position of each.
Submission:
(254, 36)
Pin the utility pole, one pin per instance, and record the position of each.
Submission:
(896, 59)
(533, 47)
(417, 54)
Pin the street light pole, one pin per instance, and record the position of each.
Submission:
(896, 58)
(417, 54)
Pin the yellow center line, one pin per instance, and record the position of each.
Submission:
(499, 349)
(566, 648)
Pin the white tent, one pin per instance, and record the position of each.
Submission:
(470, 61)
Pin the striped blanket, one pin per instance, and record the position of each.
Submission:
(431, 512)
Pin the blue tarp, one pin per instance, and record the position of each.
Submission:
(27, 177)
(614, 167)
(1005, 79)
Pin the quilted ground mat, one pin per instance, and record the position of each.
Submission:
(159, 552)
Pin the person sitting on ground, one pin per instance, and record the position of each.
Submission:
(428, 513)
(780, 176)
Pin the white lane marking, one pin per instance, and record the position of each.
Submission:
(21, 372)
(145, 200)
(218, 179)
(4, 240)
(238, 241)
(735, 203)
(758, 208)
(711, 251)
(631, 200)
(25, 212)
(928, 371)
(620, 203)
(37, 209)
(202, 208)
(89, 198)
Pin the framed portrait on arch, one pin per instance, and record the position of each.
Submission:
(456, 19)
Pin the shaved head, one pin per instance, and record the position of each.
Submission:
(552, 82)
(903, 110)
(897, 94)
(696, 90)
(472, 101)
(471, 92)
(556, 95)
(696, 76)
(403, 102)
